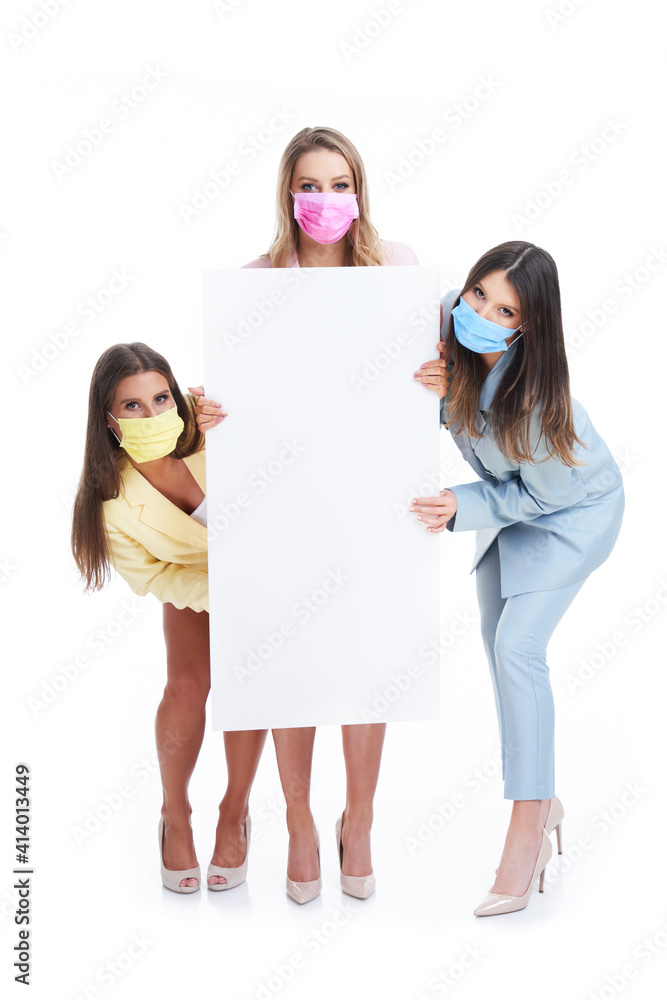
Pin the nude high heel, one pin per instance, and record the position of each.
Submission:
(172, 879)
(303, 892)
(554, 820)
(360, 886)
(495, 902)
(234, 876)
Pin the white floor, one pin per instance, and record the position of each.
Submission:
(103, 920)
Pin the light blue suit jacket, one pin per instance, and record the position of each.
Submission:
(555, 524)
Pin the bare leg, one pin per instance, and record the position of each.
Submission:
(362, 747)
(522, 846)
(294, 753)
(242, 750)
(179, 727)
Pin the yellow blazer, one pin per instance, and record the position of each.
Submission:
(155, 546)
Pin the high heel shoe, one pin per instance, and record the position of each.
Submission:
(495, 902)
(303, 892)
(234, 876)
(172, 879)
(554, 820)
(360, 886)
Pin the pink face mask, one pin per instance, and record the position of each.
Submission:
(325, 216)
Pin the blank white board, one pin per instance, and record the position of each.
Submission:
(323, 589)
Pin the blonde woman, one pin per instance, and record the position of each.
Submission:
(323, 220)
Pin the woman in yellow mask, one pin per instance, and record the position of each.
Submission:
(141, 507)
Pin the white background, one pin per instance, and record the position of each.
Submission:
(551, 84)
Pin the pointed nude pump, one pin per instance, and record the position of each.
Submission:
(234, 876)
(303, 892)
(172, 879)
(360, 886)
(495, 902)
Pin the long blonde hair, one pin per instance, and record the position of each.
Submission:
(363, 246)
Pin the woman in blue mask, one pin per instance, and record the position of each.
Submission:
(547, 510)
(141, 508)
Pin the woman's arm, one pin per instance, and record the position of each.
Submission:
(541, 487)
(181, 586)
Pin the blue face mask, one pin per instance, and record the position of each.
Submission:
(478, 334)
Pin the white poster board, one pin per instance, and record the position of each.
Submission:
(323, 588)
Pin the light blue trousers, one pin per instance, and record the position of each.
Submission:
(516, 632)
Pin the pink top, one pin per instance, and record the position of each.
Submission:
(395, 253)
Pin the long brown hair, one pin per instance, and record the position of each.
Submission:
(101, 479)
(536, 377)
(363, 246)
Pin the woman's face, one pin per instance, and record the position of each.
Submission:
(145, 394)
(494, 299)
(322, 170)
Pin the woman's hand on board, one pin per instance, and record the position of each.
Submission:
(435, 512)
(434, 374)
(208, 412)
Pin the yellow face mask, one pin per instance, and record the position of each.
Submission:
(148, 438)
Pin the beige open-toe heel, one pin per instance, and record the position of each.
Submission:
(495, 902)
(172, 879)
(360, 886)
(303, 892)
(234, 876)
